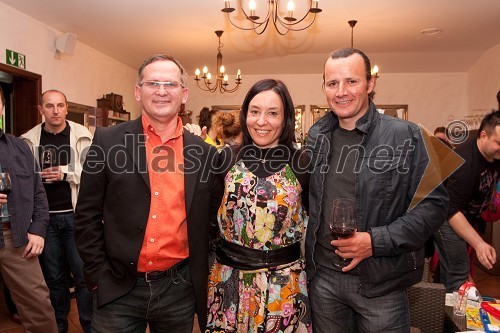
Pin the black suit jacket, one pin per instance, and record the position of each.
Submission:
(113, 207)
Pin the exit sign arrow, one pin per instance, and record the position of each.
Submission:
(15, 59)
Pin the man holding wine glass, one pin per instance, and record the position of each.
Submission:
(60, 146)
(25, 215)
(365, 242)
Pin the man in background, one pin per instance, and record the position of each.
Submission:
(69, 141)
(23, 232)
(470, 188)
(441, 133)
(378, 162)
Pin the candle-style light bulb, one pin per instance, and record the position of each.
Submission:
(290, 6)
(226, 78)
(197, 72)
(222, 69)
(252, 5)
(205, 70)
(209, 77)
(238, 74)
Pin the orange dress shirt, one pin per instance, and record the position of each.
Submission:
(165, 241)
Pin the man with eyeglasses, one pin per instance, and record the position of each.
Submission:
(143, 212)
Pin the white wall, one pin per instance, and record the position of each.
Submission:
(484, 82)
(83, 77)
(433, 98)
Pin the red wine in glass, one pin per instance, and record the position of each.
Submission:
(341, 233)
(343, 224)
(5, 188)
(48, 158)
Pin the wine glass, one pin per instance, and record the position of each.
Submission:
(343, 224)
(48, 157)
(5, 188)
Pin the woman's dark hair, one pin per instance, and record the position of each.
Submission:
(287, 136)
(206, 117)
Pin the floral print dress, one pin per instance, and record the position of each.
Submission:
(266, 214)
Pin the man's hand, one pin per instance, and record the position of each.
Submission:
(358, 247)
(196, 130)
(34, 247)
(3, 198)
(52, 174)
(486, 254)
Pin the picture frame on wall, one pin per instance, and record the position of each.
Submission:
(78, 113)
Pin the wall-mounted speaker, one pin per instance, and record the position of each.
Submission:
(66, 43)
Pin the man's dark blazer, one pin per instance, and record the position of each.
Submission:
(113, 207)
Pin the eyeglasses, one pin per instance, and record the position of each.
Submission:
(154, 85)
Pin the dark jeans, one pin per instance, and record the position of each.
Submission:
(166, 305)
(338, 307)
(454, 263)
(59, 246)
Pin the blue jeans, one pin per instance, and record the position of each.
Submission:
(337, 306)
(454, 264)
(60, 246)
(166, 305)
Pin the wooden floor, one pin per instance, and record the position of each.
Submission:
(488, 285)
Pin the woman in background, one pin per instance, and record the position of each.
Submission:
(230, 127)
(258, 282)
(206, 121)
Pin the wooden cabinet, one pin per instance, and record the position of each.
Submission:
(103, 117)
(109, 112)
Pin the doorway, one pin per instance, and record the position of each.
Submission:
(22, 91)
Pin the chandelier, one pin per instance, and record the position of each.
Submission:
(221, 77)
(374, 69)
(283, 24)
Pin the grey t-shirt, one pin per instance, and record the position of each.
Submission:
(339, 183)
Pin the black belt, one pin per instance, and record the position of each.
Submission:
(248, 259)
(158, 275)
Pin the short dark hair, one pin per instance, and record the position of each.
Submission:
(162, 57)
(347, 52)
(440, 129)
(2, 97)
(287, 136)
(489, 123)
(53, 90)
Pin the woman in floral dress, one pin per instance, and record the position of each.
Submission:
(258, 282)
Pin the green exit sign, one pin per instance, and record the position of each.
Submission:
(15, 59)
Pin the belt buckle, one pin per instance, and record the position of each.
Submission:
(146, 274)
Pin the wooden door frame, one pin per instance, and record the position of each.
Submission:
(20, 74)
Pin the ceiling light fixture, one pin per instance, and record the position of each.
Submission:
(352, 24)
(431, 31)
(283, 24)
(221, 77)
